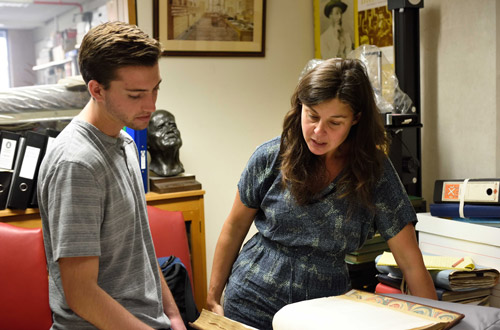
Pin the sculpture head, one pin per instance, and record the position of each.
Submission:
(164, 142)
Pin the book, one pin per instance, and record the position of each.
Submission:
(462, 296)
(384, 288)
(378, 312)
(374, 247)
(210, 321)
(492, 222)
(357, 258)
(141, 141)
(452, 210)
(390, 280)
(463, 280)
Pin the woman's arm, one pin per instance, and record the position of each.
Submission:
(231, 238)
(405, 249)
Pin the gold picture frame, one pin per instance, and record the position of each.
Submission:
(210, 28)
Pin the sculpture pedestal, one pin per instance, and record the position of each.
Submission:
(168, 184)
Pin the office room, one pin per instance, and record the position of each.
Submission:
(226, 106)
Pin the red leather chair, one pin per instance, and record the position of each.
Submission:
(169, 236)
(24, 287)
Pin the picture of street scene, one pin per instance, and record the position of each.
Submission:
(210, 20)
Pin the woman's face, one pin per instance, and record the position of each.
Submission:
(336, 16)
(325, 126)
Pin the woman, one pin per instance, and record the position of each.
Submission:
(316, 193)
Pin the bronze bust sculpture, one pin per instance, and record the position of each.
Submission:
(164, 142)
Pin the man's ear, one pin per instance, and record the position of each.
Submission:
(96, 90)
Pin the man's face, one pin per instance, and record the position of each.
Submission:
(131, 97)
(163, 131)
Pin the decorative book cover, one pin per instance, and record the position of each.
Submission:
(379, 312)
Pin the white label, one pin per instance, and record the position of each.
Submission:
(7, 153)
(143, 159)
(28, 166)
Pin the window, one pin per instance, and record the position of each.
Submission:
(4, 61)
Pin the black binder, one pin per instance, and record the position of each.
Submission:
(51, 135)
(8, 149)
(5, 180)
(23, 181)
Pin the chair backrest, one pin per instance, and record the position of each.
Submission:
(169, 235)
(24, 287)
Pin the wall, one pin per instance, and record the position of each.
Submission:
(226, 107)
(21, 58)
(459, 91)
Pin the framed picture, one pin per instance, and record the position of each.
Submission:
(210, 27)
(333, 28)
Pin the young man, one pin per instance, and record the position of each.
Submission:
(102, 265)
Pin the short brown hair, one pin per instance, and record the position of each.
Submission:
(112, 45)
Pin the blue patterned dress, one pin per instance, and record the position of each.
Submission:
(298, 252)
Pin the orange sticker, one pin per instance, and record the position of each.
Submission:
(451, 192)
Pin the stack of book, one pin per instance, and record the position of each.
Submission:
(369, 251)
(462, 283)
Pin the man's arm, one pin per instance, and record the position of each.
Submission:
(169, 305)
(88, 300)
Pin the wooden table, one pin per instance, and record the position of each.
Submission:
(190, 203)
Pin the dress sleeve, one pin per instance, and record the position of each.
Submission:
(394, 209)
(259, 174)
(75, 211)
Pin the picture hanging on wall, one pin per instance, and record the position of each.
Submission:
(333, 28)
(210, 27)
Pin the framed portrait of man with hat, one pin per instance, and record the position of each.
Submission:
(334, 28)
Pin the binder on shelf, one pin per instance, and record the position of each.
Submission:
(5, 180)
(51, 136)
(141, 141)
(474, 191)
(26, 169)
(452, 210)
(8, 149)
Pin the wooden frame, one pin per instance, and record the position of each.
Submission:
(184, 27)
(132, 11)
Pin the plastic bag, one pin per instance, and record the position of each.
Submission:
(388, 96)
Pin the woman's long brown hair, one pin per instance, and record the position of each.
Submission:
(304, 172)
